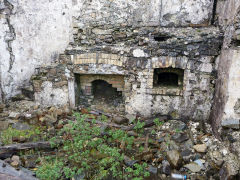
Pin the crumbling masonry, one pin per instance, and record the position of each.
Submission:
(176, 58)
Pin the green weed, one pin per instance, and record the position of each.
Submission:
(87, 151)
(8, 134)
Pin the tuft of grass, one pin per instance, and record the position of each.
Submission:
(50, 169)
(8, 134)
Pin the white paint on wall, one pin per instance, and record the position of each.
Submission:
(233, 86)
(50, 96)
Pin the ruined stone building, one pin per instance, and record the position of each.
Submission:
(143, 57)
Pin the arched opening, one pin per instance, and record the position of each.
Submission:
(104, 93)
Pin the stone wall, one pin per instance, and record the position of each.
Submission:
(158, 12)
(134, 53)
(33, 33)
(227, 84)
(127, 38)
(50, 85)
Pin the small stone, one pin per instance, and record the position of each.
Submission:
(139, 53)
(36, 107)
(4, 125)
(174, 158)
(21, 126)
(41, 119)
(15, 158)
(20, 139)
(15, 161)
(51, 130)
(59, 112)
(50, 118)
(186, 152)
(194, 167)
(120, 120)
(129, 162)
(187, 155)
(163, 176)
(14, 115)
(177, 125)
(166, 168)
(59, 126)
(28, 116)
(182, 138)
(188, 144)
(14, 164)
(200, 162)
(200, 148)
(198, 156)
(152, 169)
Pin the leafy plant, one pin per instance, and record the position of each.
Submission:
(153, 132)
(50, 169)
(177, 130)
(157, 122)
(139, 126)
(104, 118)
(89, 151)
(8, 134)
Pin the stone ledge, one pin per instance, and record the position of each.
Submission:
(165, 91)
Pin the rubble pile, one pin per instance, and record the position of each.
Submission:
(171, 146)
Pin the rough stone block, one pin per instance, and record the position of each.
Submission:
(231, 123)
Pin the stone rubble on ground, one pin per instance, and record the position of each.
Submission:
(184, 148)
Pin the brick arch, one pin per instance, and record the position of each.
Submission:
(99, 58)
(117, 81)
(103, 79)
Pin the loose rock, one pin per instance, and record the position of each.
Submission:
(174, 158)
(194, 167)
(15, 161)
(21, 126)
(200, 148)
(231, 123)
(6, 170)
(4, 125)
(166, 168)
(120, 119)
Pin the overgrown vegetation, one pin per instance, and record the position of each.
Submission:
(94, 152)
(7, 136)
